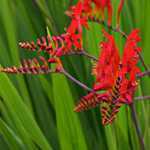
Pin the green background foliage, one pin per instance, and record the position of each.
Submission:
(36, 112)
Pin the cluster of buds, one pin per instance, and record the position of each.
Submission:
(29, 66)
(109, 70)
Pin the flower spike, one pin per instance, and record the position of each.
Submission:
(29, 66)
(111, 76)
(63, 44)
(86, 102)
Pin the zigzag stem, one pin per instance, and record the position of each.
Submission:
(99, 21)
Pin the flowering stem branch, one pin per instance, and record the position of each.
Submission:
(97, 20)
(75, 80)
(89, 56)
(140, 98)
(138, 129)
(142, 61)
(84, 53)
(142, 74)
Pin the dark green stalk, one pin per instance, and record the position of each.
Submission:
(137, 126)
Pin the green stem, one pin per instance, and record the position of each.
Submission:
(137, 126)
(76, 81)
(140, 98)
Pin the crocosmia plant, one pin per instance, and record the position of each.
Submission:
(116, 76)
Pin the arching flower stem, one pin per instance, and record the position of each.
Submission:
(114, 29)
(142, 74)
(141, 98)
(63, 71)
(83, 53)
(137, 126)
(70, 77)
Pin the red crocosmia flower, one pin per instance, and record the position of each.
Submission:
(77, 19)
(72, 41)
(101, 5)
(87, 7)
(77, 41)
(130, 56)
(74, 30)
(108, 62)
(55, 46)
(115, 78)
(129, 65)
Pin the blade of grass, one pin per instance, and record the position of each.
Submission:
(16, 105)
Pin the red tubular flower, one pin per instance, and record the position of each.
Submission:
(117, 77)
(129, 65)
(101, 5)
(78, 20)
(108, 62)
(87, 7)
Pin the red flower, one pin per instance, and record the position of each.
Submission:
(87, 7)
(78, 21)
(73, 42)
(101, 5)
(108, 62)
(117, 77)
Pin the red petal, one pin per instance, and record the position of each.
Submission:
(107, 66)
(119, 11)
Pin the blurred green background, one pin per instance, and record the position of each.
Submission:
(36, 112)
